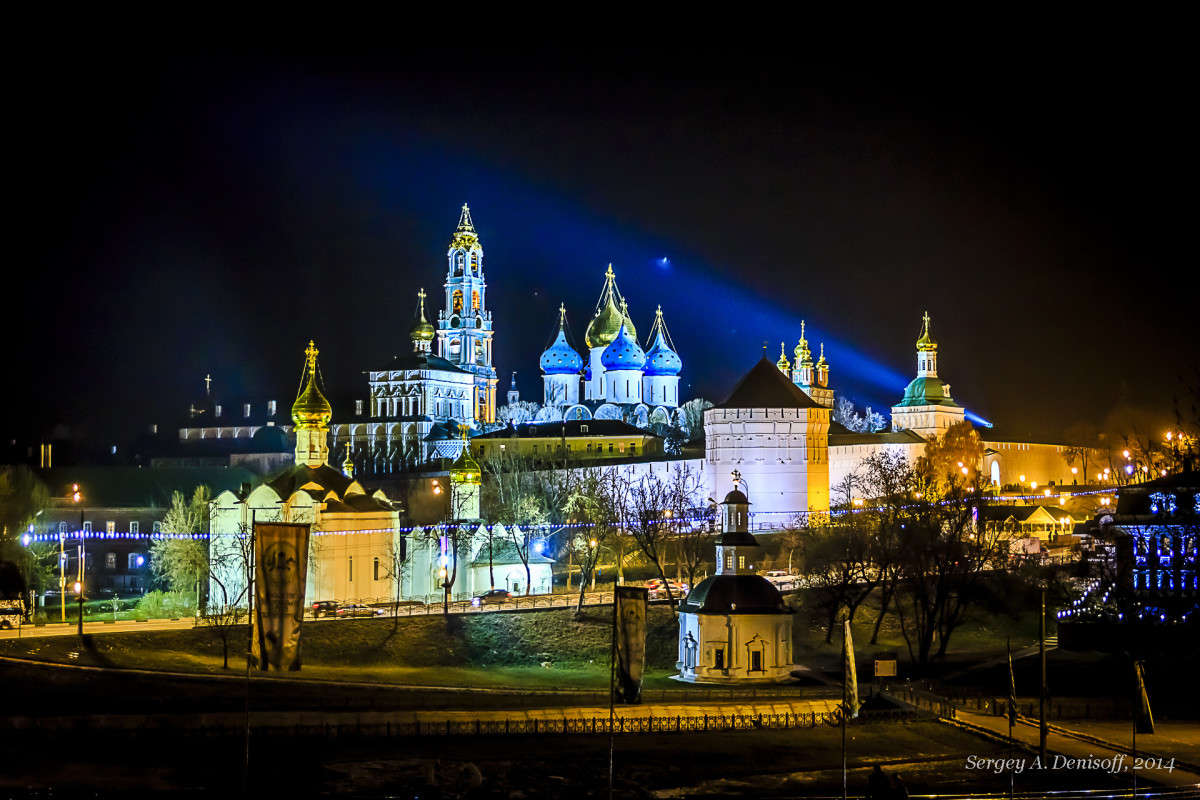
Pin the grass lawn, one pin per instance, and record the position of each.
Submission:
(509, 649)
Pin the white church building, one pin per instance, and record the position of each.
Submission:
(734, 626)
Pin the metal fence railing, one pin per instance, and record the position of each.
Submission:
(408, 608)
(625, 725)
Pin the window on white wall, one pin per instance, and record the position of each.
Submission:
(133, 527)
(110, 526)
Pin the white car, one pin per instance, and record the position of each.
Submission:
(782, 580)
(657, 591)
(10, 615)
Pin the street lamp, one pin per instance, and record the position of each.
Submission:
(76, 498)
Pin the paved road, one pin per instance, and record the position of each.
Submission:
(72, 628)
(1060, 743)
(536, 602)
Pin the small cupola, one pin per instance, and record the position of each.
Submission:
(737, 549)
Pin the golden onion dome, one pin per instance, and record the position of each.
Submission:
(311, 409)
(604, 326)
(926, 342)
(606, 323)
(782, 363)
(465, 468)
(422, 330)
(802, 354)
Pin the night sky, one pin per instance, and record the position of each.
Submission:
(197, 215)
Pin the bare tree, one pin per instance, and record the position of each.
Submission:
(592, 498)
(944, 556)
(230, 583)
(692, 522)
(837, 562)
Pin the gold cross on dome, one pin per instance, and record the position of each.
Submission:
(310, 353)
(207, 384)
(562, 313)
(926, 318)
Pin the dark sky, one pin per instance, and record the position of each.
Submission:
(209, 214)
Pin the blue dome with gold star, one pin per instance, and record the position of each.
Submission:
(662, 360)
(560, 358)
(623, 353)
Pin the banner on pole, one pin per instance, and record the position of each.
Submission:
(280, 573)
(850, 672)
(1145, 717)
(629, 642)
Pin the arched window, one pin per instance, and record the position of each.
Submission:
(475, 299)
(458, 301)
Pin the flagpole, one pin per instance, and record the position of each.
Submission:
(612, 672)
(844, 678)
(1042, 691)
(249, 650)
(1012, 698)
(1137, 709)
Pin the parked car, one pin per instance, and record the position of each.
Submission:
(491, 596)
(657, 590)
(324, 608)
(783, 580)
(10, 615)
(359, 610)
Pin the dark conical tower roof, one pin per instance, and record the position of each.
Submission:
(764, 386)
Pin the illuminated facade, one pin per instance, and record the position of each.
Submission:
(464, 328)
(926, 407)
(734, 627)
(777, 437)
(812, 378)
(622, 380)
(355, 543)
(418, 403)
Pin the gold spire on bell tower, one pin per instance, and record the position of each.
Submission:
(465, 235)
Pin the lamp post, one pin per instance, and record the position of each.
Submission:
(76, 497)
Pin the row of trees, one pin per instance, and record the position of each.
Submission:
(915, 543)
(617, 512)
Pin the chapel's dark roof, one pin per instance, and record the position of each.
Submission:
(324, 476)
(764, 386)
(734, 594)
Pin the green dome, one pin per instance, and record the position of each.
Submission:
(927, 392)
